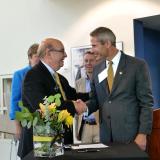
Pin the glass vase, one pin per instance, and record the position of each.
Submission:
(47, 142)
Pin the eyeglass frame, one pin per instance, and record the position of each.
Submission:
(56, 50)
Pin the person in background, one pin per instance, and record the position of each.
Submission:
(98, 57)
(17, 80)
(43, 80)
(87, 127)
(81, 69)
(121, 90)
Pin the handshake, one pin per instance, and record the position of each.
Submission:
(80, 106)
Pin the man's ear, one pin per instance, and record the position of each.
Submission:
(108, 44)
(48, 53)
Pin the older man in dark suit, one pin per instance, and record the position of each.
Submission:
(121, 88)
(41, 81)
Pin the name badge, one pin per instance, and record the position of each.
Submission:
(102, 75)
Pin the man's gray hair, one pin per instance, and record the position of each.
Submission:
(42, 49)
(103, 34)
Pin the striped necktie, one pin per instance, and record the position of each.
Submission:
(60, 86)
(110, 77)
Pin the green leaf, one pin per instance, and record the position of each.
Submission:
(26, 115)
(19, 116)
(24, 123)
(58, 95)
(35, 120)
(20, 104)
(55, 98)
(40, 129)
(24, 109)
(58, 101)
(29, 124)
(50, 99)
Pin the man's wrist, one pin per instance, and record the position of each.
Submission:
(86, 111)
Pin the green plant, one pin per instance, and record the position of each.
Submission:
(48, 117)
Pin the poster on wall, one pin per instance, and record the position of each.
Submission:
(77, 59)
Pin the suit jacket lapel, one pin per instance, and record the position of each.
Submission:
(48, 75)
(120, 72)
(104, 84)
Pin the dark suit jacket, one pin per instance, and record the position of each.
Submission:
(127, 110)
(39, 83)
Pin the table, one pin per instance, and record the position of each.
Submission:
(113, 152)
(153, 140)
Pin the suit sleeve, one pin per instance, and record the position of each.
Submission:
(15, 94)
(145, 98)
(71, 95)
(71, 92)
(93, 102)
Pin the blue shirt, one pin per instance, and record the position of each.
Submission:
(91, 117)
(16, 91)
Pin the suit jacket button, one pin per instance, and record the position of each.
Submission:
(110, 102)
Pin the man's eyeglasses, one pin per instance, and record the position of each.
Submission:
(56, 50)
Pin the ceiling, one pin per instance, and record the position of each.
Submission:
(152, 22)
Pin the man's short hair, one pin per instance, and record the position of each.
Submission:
(32, 50)
(88, 52)
(103, 34)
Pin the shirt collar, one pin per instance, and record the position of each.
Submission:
(49, 68)
(86, 77)
(116, 59)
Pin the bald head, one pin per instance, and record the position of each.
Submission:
(52, 52)
(47, 44)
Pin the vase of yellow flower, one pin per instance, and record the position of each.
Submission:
(47, 144)
(47, 124)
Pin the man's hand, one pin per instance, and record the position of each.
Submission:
(80, 106)
(141, 141)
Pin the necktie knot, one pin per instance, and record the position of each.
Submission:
(110, 62)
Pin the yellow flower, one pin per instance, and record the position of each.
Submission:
(69, 121)
(63, 115)
(48, 115)
(42, 107)
(52, 107)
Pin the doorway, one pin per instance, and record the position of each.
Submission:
(147, 47)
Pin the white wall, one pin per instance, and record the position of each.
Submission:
(8, 149)
(23, 22)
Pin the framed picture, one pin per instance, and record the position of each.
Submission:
(77, 60)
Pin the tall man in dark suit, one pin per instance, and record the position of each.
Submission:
(121, 88)
(40, 82)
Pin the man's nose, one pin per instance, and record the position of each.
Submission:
(65, 54)
(92, 49)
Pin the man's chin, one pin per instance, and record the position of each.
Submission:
(61, 65)
(89, 71)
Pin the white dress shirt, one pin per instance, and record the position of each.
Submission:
(115, 61)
